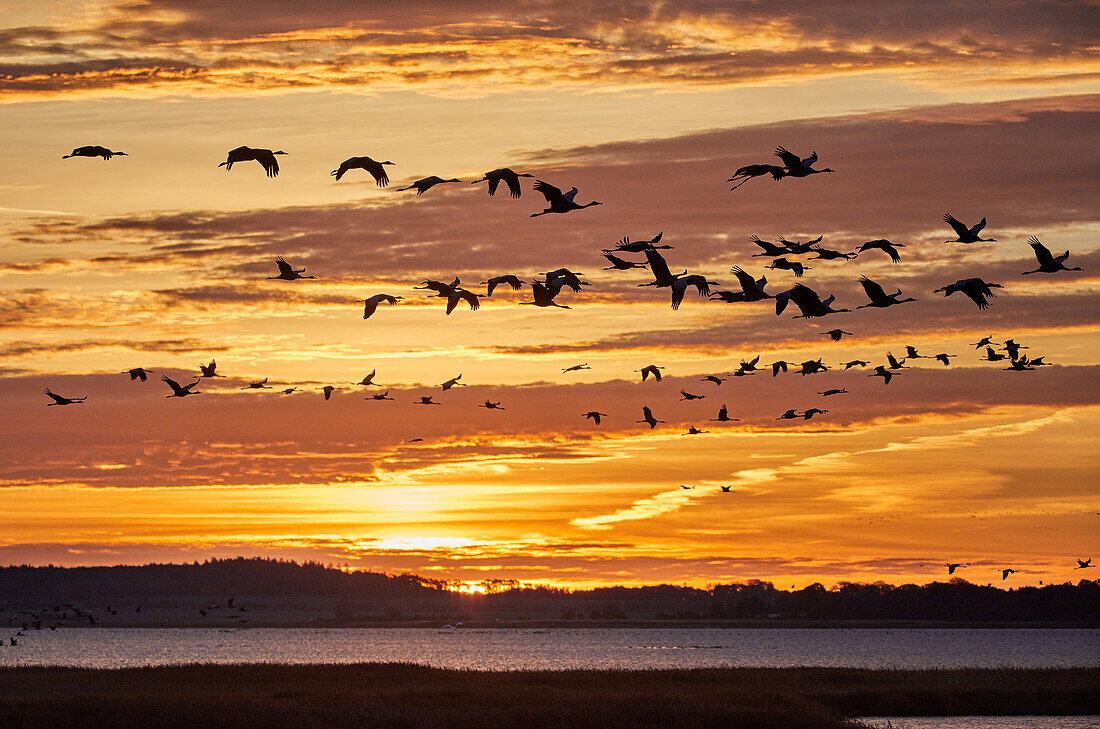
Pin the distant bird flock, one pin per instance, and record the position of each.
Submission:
(749, 289)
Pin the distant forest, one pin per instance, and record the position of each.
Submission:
(328, 594)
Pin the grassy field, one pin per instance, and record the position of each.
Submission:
(402, 695)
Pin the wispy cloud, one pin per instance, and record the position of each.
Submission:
(171, 46)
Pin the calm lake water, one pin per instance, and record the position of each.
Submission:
(511, 649)
(985, 722)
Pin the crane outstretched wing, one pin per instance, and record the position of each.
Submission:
(954, 222)
(548, 191)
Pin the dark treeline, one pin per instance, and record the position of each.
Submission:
(329, 593)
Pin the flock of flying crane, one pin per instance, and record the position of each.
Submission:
(545, 290)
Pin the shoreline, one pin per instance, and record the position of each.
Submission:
(601, 625)
(401, 694)
(260, 621)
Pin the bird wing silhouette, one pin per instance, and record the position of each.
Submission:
(284, 267)
(1042, 253)
(873, 290)
(55, 397)
(470, 298)
(512, 180)
(806, 299)
(951, 220)
(658, 266)
(792, 161)
(378, 171)
(267, 159)
(548, 191)
(977, 295)
(748, 284)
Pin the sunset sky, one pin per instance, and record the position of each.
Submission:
(159, 259)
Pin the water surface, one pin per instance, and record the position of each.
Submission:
(559, 648)
(984, 722)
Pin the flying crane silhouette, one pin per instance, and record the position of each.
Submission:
(179, 390)
(767, 248)
(138, 373)
(376, 169)
(647, 417)
(884, 373)
(423, 185)
(1047, 262)
(748, 172)
(890, 249)
(965, 234)
(751, 289)
(265, 157)
(798, 167)
(209, 370)
(371, 305)
(798, 248)
(453, 293)
(828, 254)
(509, 280)
(1013, 348)
(557, 201)
(878, 298)
(368, 381)
(286, 273)
(810, 304)
(796, 267)
(723, 416)
(626, 246)
(453, 382)
(543, 296)
(894, 362)
(651, 370)
(812, 367)
(594, 416)
(620, 264)
(94, 151)
(61, 400)
(975, 288)
(506, 175)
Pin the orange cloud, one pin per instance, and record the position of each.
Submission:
(169, 46)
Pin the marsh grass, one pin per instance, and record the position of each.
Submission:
(404, 695)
